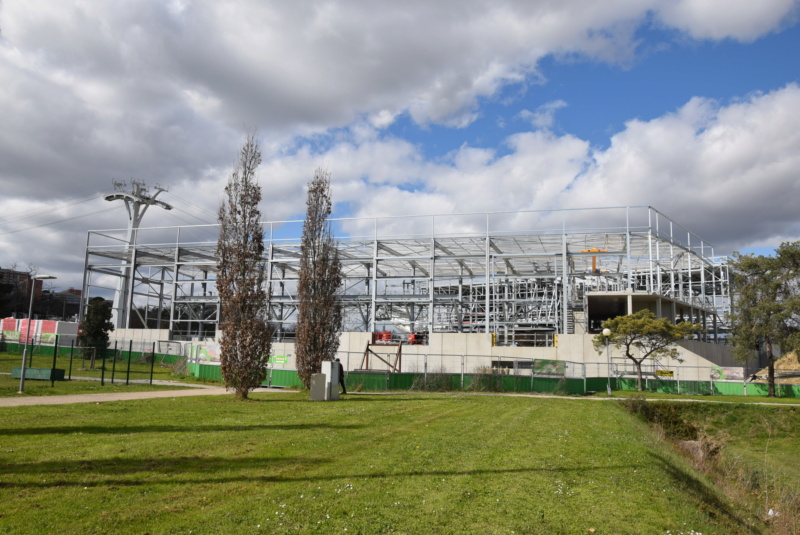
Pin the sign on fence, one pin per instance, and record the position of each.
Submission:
(549, 367)
(720, 373)
(11, 336)
(209, 353)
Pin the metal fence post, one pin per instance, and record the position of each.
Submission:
(152, 361)
(532, 365)
(53, 369)
(128, 372)
(71, 352)
(462, 372)
(583, 368)
(103, 369)
(425, 371)
(114, 364)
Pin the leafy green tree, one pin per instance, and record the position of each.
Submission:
(642, 336)
(766, 307)
(319, 312)
(244, 300)
(93, 331)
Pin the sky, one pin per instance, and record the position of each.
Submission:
(414, 107)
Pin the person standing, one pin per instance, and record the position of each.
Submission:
(341, 376)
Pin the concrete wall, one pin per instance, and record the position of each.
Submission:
(67, 328)
(719, 354)
(696, 358)
(471, 352)
(141, 336)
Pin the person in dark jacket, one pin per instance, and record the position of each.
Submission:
(341, 376)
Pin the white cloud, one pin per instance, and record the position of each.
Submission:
(728, 172)
(720, 19)
(545, 115)
(382, 118)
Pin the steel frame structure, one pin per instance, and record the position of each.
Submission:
(522, 275)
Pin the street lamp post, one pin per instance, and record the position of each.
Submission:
(607, 335)
(28, 335)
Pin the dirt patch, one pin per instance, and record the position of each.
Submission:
(787, 363)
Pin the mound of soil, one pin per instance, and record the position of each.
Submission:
(787, 363)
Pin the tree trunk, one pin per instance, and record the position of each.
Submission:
(770, 369)
(638, 373)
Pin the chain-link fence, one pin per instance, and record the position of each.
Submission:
(387, 368)
(118, 362)
(673, 378)
(383, 368)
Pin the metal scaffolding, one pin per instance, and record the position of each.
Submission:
(524, 276)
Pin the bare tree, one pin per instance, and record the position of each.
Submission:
(244, 300)
(319, 313)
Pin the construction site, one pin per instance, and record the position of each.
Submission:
(514, 280)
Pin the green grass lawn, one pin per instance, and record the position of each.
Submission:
(368, 464)
(765, 437)
(620, 394)
(9, 387)
(139, 372)
(750, 450)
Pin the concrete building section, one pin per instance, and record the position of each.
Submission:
(143, 336)
(446, 350)
(506, 285)
(470, 353)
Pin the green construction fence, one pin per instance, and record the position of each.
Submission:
(383, 381)
(697, 388)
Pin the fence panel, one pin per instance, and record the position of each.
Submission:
(135, 361)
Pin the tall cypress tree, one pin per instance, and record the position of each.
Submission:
(244, 300)
(319, 319)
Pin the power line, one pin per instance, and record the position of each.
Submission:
(19, 216)
(57, 221)
(201, 209)
(203, 221)
(33, 213)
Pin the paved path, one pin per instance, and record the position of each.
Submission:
(196, 390)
